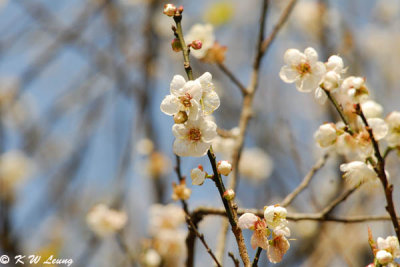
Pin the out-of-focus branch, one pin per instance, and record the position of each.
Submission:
(232, 77)
(203, 211)
(235, 261)
(307, 179)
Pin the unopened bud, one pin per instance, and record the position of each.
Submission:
(229, 194)
(176, 45)
(180, 9)
(196, 44)
(200, 167)
(224, 167)
(180, 117)
(169, 10)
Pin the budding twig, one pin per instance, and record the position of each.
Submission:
(380, 171)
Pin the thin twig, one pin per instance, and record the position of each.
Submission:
(201, 237)
(330, 207)
(319, 216)
(235, 261)
(380, 171)
(339, 110)
(307, 179)
(257, 257)
(232, 77)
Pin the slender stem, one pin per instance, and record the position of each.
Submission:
(257, 257)
(339, 110)
(235, 261)
(185, 49)
(201, 237)
(233, 78)
(307, 179)
(380, 171)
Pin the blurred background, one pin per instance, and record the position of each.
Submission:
(81, 83)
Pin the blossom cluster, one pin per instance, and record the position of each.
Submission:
(168, 238)
(385, 251)
(270, 232)
(352, 95)
(190, 103)
(104, 221)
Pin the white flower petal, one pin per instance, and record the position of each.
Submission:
(210, 102)
(293, 57)
(181, 148)
(320, 96)
(170, 105)
(288, 74)
(311, 55)
(179, 130)
(379, 128)
(208, 131)
(177, 84)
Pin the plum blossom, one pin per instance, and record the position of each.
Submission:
(384, 257)
(224, 167)
(274, 224)
(393, 121)
(371, 109)
(209, 98)
(388, 250)
(358, 172)
(104, 221)
(205, 34)
(185, 96)
(355, 88)
(180, 191)
(194, 137)
(255, 223)
(255, 164)
(379, 128)
(198, 175)
(304, 69)
(326, 135)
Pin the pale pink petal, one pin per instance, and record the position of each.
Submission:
(277, 250)
(247, 220)
(258, 239)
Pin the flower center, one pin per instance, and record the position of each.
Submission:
(194, 134)
(185, 100)
(303, 68)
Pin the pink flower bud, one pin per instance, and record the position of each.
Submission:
(196, 44)
(180, 9)
(229, 194)
(176, 45)
(169, 10)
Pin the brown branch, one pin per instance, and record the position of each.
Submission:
(203, 211)
(257, 257)
(232, 77)
(307, 179)
(201, 237)
(380, 171)
(282, 20)
(235, 261)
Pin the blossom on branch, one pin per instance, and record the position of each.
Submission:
(393, 121)
(204, 34)
(358, 172)
(304, 69)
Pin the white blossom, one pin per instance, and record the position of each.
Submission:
(326, 135)
(247, 221)
(393, 121)
(105, 221)
(277, 249)
(255, 164)
(379, 128)
(185, 96)
(165, 217)
(371, 109)
(224, 167)
(203, 33)
(253, 222)
(198, 176)
(391, 244)
(209, 98)
(355, 88)
(304, 69)
(275, 216)
(384, 257)
(357, 172)
(194, 137)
